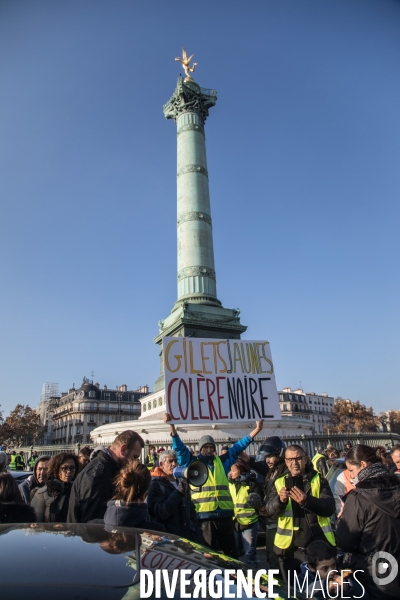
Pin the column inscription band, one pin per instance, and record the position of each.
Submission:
(194, 216)
(196, 272)
(192, 169)
(191, 127)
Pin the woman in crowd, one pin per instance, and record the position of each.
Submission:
(242, 482)
(384, 456)
(169, 499)
(370, 521)
(128, 507)
(332, 453)
(12, 506)
(51, 501)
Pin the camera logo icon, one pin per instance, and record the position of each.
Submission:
(384, 568)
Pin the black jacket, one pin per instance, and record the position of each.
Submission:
(93, 488)
(272, 474)
(305, 518)
(51, 502)
(16, 513)
(370, 523)
(132, 514)
(259, 466)
(323, 466)
(171, 508)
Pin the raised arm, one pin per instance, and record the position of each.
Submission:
(258, 428)
(182, 451)
(242, 444)
(167, 418)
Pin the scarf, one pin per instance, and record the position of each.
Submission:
(374, 470)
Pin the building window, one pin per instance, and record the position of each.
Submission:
(285, 407)
(92, 394)
(149, 405)
(160, 401)
(144, 408)
(154, 403)
(106, 408)
(78, 430)
(107, 396)
(131, 408)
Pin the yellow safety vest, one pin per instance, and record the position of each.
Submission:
(284, 532)
(13, 462)
(215, 492)
(150, 462)
(19, 462)
(244, 514)
(315, 459)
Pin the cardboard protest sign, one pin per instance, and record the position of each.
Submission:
(219, 380)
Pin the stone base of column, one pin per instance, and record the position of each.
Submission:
(193, 319)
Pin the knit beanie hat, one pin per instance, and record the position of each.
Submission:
(206, 439)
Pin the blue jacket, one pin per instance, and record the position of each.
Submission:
(227, 459)
(133, 514)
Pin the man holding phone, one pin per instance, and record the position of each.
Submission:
(302, 501)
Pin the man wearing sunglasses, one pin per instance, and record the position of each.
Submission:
(302, 501)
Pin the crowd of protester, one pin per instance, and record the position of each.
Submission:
(311, 525)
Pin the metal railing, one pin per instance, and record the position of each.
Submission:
(310, 443)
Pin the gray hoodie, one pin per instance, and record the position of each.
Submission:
(31, 483)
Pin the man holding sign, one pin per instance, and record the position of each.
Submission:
(213, 502)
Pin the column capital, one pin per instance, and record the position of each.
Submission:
(189, 97)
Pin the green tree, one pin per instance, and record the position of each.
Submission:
(21, 427)
(393, 420)
(351, 417)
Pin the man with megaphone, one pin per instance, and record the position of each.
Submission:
(212, 500)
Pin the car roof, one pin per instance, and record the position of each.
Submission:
(93, 561)
(20, 475)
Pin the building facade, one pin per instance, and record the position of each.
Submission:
(81, 410)
(50, 393)
(307, 405)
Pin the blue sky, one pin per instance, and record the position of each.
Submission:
(303, 157)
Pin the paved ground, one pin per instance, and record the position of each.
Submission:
(261, 557)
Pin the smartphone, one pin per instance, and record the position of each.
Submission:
(294, 481)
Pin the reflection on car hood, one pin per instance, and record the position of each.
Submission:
(93, 561)
(20, 475)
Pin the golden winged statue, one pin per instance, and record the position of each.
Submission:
(185, 64)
